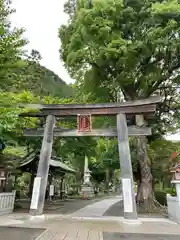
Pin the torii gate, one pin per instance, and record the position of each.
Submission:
(123, 111)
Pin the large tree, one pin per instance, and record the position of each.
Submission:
(133, 47)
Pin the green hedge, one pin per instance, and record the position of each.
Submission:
(171, 191)
(161, 195)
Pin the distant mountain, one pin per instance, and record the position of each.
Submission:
(41, 81)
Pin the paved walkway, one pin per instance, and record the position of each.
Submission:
(89, 224)
(97, 209)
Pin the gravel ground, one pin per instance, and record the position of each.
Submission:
(61, 207)
(116, 210)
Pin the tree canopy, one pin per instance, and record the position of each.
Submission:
(133, 45)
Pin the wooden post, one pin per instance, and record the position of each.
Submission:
(40, 182)
(31, 184)
(61, 187)
(129, 202)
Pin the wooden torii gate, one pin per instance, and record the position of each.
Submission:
(123, 111)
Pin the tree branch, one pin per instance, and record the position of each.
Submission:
(163, 79)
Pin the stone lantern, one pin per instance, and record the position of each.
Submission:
(87, 189)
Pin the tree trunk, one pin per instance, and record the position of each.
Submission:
(145, 189)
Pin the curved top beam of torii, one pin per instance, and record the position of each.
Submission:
(130, 107)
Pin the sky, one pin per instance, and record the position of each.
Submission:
(41, 20)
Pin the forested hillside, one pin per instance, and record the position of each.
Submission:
(37, 79)
(42, 81)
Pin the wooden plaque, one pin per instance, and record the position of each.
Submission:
(51, 190)
(84, 123)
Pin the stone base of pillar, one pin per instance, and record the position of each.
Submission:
(37, 217)
(132, 221)
(87, 191)
(34, 212)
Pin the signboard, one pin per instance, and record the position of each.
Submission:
(127, 195)
(36, 192)
(177, 176)
(177, 172)
(51, 190)
(84, 123)
(2, 175)
(86, 189)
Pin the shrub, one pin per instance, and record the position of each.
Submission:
(161, 197)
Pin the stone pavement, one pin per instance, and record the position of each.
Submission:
(93, 229)
(89, 224)
(70, 229)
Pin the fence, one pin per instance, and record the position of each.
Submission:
(7, 202)
(173, 208)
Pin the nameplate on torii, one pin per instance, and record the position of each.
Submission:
(84, 123)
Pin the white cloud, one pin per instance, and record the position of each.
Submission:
(173, 137)
(42, 19)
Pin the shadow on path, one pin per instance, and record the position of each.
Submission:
(17, 233)
(138, 236)
(115, 210)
